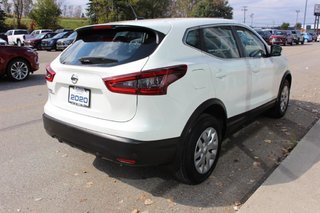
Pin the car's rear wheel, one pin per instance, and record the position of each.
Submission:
(282, 102)
(200, 151)
(18, 70)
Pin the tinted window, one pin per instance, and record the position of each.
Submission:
(59, 35)
(20, 32)
(220, 42)
(253, 46)
(279, 33)
(73, 35)
(193, 38)
(109, 47)
(40, 36)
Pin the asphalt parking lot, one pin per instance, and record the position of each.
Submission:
(38, 174)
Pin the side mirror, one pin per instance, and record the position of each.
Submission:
(275, 50)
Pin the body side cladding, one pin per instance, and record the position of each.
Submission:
(237, 122)
(206, 107)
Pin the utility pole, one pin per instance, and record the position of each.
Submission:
(297, 11)
(251, 16)
(244, 9)
(305, 15)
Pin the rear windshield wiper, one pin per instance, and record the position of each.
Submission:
(97, 60)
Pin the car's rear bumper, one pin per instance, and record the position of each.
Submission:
(61, 46)
(139, 153)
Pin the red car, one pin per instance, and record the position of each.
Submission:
(277, 38)
(18, 62)
(35, 42)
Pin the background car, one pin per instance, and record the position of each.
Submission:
(16, 36)
(36, 32)
(265, 35)
(314, 36)
(35, 42)
(289, 37)
(18, 62)
(318, 38)
(307, 37)
(297, 37)
(65, 42)
(51, 43)
(4, 37)
(278, 38)
(63, 30)
(2, 42)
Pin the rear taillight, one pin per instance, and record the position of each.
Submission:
(50, 73)
(150, 82)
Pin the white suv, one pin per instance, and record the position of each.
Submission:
(151, 92)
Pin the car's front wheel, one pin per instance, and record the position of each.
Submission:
(199, 151)
(282, 102)
(18, 70)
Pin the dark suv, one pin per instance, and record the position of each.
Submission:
(297, 37)
(265, 35)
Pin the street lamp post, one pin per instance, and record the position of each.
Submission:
(297, 11)
(244, 9)
(251, 16)
(305, 15)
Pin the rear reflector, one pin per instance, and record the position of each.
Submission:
(126, 161)
(150, 82)
(50, 73)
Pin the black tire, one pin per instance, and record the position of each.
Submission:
(281, 106)
(19, 43)
(186, 170)
(18, 70)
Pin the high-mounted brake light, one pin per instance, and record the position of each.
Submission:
(102, 27)
(150, 82)
(50, 73)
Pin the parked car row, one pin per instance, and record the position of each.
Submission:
(285, 37)
(39, 39)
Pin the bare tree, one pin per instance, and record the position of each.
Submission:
(64, 10)
(77, 11)
(7, 6)
(27, 7)
(70, 10)
(18, 10)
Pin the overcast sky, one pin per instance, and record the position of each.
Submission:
(266, 12)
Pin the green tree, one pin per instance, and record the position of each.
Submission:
(45, 13)
(101, 11)
(298, 26)
(284, 26)
(213, 8)
(183, 8)
(152, 8)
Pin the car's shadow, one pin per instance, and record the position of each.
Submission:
(247, 158)
(32, 80)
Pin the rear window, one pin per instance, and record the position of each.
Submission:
(20, 32)
(60, 35)
(113, 46)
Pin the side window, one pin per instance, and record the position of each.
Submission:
(193, 38)
(219, 41)
(253, 46)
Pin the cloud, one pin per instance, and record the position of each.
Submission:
(273, 12)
